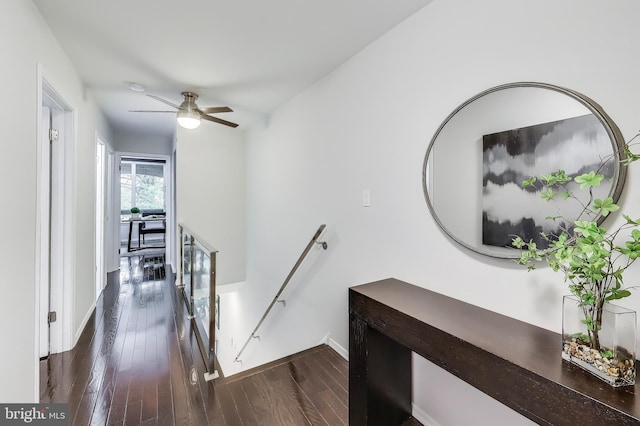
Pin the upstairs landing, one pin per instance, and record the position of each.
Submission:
(137, 362)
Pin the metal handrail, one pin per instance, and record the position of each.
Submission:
(314, 240)
(203, 243)
(206, 339)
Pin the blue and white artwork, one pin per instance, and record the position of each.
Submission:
(576, 145)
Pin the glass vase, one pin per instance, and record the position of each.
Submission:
(609, 351)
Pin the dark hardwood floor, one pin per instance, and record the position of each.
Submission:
(134, 361)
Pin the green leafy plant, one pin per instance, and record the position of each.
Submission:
(592, 258)
(607, 354)
(135, 210)
(581, 337)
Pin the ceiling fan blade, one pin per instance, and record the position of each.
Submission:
(145, 110)
(164, 101)
(218, 120)
(213, 110)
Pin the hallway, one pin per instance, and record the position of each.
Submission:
(137, 362)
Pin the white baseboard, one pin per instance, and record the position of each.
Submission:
(335, 346)
(339, 349)
(84, 322)
(422, 417)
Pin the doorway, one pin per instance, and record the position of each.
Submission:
(145, 184)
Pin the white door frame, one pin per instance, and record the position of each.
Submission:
(100, 215)
(112, 228)
(62, 330)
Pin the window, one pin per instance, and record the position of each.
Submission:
(141, 185)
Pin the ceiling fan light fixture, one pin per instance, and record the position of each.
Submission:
(188, 119)
(188, 116)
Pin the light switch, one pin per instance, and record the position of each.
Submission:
(366, 198)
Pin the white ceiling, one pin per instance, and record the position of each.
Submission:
(249, 55)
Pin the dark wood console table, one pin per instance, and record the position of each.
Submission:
(514, 362)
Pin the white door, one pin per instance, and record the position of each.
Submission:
(51, 230)
(57, 220)
(45, 165)
(52, 197)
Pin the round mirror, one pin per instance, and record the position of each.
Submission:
(481, 153)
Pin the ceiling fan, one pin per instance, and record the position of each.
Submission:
(190, 114)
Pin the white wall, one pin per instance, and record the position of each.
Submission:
(25, 41)
(367, 126)
(210, 193)
(143, 143)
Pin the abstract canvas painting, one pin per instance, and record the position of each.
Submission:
(576, 145)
